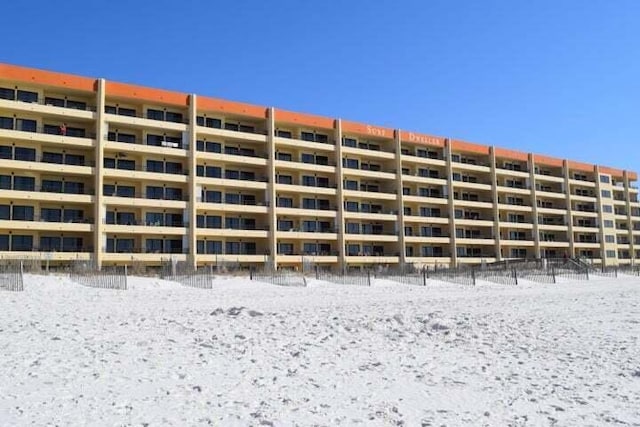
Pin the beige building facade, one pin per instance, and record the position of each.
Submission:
(97, 170)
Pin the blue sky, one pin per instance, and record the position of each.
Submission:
(554, 77)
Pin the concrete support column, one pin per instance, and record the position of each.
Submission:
(534, 205)
(567, 190)
(494, 199)
(193, 197)
(450, 205)
(342, 261)
(627, 199)
(271, 188)
(102, 128)
(603, 249)
(400, 201)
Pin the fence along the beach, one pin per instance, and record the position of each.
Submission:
(460, 276)
(187, 275)
(357, 279)
(11, 278)
(279, 278)
(112, 277)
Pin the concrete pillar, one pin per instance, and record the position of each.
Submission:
(567, 190)
(400, 201)
(271, 187)
(99, 214)
(494, 198)
(534, 205)
(193, 197)
(342, 262)
(450, 205)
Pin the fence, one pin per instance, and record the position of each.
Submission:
(461, 275)
(107, 278)
(185, 274)
(279, 278)
(631, 270)
(357, 279)
(414, 278)
(11, 278)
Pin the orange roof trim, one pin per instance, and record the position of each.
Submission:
(161, 96)
(421, 138)
(368, 130)
(616, 173)
(304, 119)
(511, 154)
(584, 167)
(469, 147)
(47, 78)
(546, 160)
(231, 107)
(633, 176)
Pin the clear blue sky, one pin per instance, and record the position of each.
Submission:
(554, 77)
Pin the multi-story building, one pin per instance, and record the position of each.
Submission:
(95, 169)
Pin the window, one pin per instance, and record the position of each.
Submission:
(310, 226)
(213, 221)
(351, 163)
(4, 242)
(284, 156)
(77, 105)
(309, 181)
(26, 96)
(173, 168)
(173, 193)
(50, 243)
(155, 114)
(284, 202)
(285, 179)
(605, 193)
(213, 196)
(611, 254)
(5, 212)
(26, 125)
(232, 198)
(25, 154)
(155, 140)
(155, 192)
(126, 164)
(21, 243)
(23, 213)
(283, 133)
(24, 183)
(285, 225)
(610, 238)
(605, 179)
(71, 244)
(349, 142)
(154, 219)
(125, 191)
(74, 187)
(155, 166)
(124, 245)
(307, 158)
(6, 122)
(350, 185)
(74, 159)
(351, 206)
(608, 223)
(153, 245)
(173, 117)
(607, 208)
(107, 162)
(73, 215)
(285, 248)
(7, 93)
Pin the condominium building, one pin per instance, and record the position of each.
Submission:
(92, 169)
